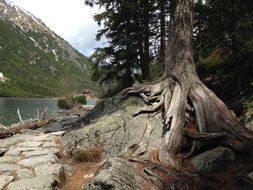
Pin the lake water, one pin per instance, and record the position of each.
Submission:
(28, 108)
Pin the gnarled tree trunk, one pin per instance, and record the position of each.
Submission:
(183, 98)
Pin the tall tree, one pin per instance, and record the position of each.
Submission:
(130, 27)
(179, 93)
(223, 24)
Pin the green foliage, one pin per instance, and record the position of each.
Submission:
(63, 103)
(31, 71)
(225, 25)
(71, 101)
(133, 30)
(80, 99)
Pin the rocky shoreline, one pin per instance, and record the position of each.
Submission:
(34, 159)
(31, 159)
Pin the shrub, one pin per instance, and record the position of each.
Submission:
(91, 154)
(80, 99)
(70, 102)
(63, 103)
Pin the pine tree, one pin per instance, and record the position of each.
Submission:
(180, 93)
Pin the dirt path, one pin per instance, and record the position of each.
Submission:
(80, 174)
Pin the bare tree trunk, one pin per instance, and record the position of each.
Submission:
(180, 94)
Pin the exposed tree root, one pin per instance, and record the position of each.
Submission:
(192, 114)
(180, 101)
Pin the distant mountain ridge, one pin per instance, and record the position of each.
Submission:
(35, 60)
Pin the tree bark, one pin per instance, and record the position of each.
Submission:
(180, 94)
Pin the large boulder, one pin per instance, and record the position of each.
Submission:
(213, 160)
(116, 174)
(63, 124)
(111, 126)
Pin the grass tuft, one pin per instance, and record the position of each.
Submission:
(90, 154)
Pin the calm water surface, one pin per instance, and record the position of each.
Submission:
(28, 108)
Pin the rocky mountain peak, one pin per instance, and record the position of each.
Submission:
(40, 55)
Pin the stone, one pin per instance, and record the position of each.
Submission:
(6, 143)
(38, 160)
(115, 129)
(8, 159)
(15, 151)
(43, 137)
(9, 168)
(64, 124)
(4, 180)
(116, 173)
(7, 173)
(36, 183)
(213, 160)
(24, 174)
(50, 169)
(58, 133)
(41, 152)
(49, 144)
(33, 144)
(30, 132)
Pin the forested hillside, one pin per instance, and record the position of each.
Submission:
(34, 60)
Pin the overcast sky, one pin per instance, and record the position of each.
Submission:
(70, 19)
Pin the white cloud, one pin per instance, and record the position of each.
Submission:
(71, 19)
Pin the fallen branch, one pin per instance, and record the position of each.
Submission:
(43, 114)
(19, 116)
(15, 130)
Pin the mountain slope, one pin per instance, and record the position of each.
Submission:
(35, 60)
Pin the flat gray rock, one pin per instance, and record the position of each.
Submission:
(30, 132)
(38, 160)
(50, 169)
(44, 137)
(36, 183)
(6, 143)
(24, 174)
(213, 160)
(41, 152)
(58, 133)
(117, 174)
(9, 168)
(15, 151)
(49, 144)
(115, 129)
(8, 159)
(30, 144)
(4, 180)
(62, 125)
